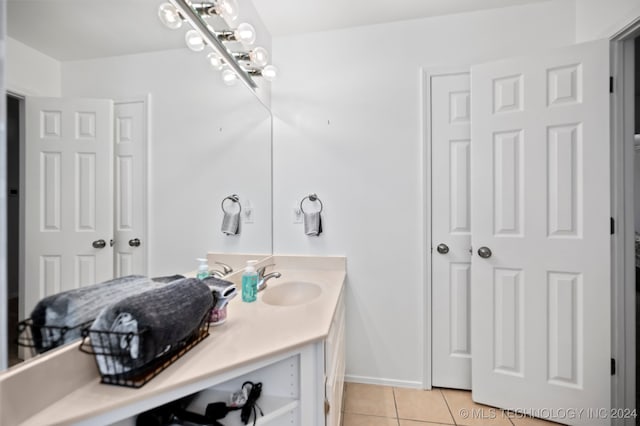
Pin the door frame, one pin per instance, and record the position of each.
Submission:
(623, 288)
(426, 75)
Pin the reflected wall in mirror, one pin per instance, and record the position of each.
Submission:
(202, 141)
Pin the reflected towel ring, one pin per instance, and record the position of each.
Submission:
(311, 197)
(233, 198)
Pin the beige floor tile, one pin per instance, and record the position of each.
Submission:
(468, 413)
(417, 423)
(370, 400)
(529, 421)
(351, 419)
(428, 406)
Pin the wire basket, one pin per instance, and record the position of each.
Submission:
(42, 338)
(114, 353)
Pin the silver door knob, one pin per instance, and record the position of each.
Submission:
(484, 252)
(442, 248)
(134, 243)
(99, 244)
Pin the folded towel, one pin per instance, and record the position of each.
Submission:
(312, 224)
(221, 288)
(168, 278)
(231, 223)
(157, 321)
(73, 308)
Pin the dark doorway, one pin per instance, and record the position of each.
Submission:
(13, 221)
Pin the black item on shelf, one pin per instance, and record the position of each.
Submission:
(33, 336)
(251, 404)
(107, 347)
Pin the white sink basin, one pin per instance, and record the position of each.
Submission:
(291, 293)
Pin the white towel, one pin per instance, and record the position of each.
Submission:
(313, 224)
(231, 223)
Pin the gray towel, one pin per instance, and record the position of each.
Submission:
(312, 224)
(73, 308)
(163, 317)
(220, 288)
(231, 223)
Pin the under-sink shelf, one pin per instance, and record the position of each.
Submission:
(273, 407)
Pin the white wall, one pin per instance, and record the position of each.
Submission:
(207, 141)
(597, 19)
(30, 72)
(347, 125)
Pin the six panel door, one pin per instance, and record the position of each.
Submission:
(451, 229)
(540, 217)
(69, 187)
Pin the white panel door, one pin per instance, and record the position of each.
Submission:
(451, 230)
(68, 207)
(130, 188)
(540, 196)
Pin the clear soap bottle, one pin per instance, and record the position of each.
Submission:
(203, 269)
(250, 282)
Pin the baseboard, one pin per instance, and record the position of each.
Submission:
(383, 382)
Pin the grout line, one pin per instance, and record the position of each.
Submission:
(448, 408)
(395, 404)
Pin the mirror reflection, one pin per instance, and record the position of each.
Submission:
(120, 154)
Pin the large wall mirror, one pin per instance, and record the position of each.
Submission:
(200, 141)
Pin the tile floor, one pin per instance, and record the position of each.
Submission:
(368, 405)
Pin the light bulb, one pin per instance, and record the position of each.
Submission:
(194, 41)
(215, 60)
(169, 16)
(245, 34)
(229, 77)
(259, 57)
(269, 72)
(227, 10)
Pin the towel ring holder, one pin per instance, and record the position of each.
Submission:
(234, 199)
(311, 197)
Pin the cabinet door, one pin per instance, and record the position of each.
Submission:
(335, 368)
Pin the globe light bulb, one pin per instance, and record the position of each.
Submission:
(229, 77)
(269, 72)
(227, 10)
(245, 34)
(215, 60)
(194, 41)
(259, 57)
(169, 16)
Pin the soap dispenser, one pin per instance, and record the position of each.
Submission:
(203, 269)
(250, 282)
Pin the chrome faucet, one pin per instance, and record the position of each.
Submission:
(225, 268)
(262, 278)
(216, 273)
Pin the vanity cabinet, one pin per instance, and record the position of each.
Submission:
(303, 387)
(297, 351)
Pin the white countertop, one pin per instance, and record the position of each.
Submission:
(253, 331)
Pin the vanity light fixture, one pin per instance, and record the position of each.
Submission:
(234, 65)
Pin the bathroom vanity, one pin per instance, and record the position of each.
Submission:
(292, 339)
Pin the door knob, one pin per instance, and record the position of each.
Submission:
(134, 243)
(99, 244)
(442, 248)
(484, 252)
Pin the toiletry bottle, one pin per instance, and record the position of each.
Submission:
(203, 269)
(250, 282)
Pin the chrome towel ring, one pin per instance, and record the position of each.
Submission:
(311, 197)
(234, 199)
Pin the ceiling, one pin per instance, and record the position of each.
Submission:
(85, 29)
(298, 16)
